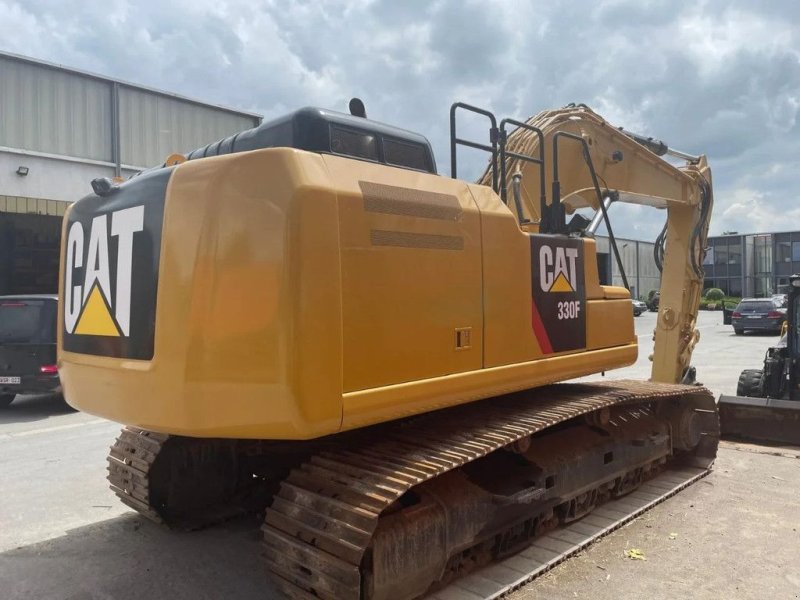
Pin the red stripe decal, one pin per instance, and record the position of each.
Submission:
(539, 331)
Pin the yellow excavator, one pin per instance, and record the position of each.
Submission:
(307, 319)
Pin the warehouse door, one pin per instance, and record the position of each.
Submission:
(29, 251)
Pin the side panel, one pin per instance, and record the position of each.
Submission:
(514, 292)
(609, 323)
(513, 356)
(411, 275)
(507, 266)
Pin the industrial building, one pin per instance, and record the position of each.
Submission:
(752, 265)
(741, 265)
(638, 261)
(59, 129)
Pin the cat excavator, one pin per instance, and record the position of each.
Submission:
(306, 319)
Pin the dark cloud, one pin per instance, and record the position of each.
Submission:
(718, 77)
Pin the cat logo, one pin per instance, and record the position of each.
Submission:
(558, 293)
(91, 305)
(557, 269)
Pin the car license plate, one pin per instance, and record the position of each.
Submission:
(754, 316)
(10, 380)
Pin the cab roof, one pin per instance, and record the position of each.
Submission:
(327, 131)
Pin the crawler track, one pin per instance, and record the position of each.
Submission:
(191, 483)
(319, 528)
(129, 463)
(336, 524)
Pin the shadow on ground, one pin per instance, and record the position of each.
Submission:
(34, 408)
(129, 558)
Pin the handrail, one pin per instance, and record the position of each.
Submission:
(525, 157)
(455, 140)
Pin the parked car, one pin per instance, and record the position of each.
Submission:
(781, 299)
(638, 307)
(758, 314)
(27, 346)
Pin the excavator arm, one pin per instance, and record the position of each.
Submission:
(586, 162)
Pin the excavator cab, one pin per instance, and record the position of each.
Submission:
(767, 405)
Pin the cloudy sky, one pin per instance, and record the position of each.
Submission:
(715, 77)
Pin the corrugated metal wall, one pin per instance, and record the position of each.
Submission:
(643, 274)
(153, 126)
(53, 111)
(39, 206)
(649, 275)
(47, 109)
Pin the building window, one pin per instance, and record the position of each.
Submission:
(721, 260)
(720, 255)
(763, 255)
(709, 258)
(735, 287)
(763, 287)
(734, 253)
(796, 251)
(735, 258)
(784, 268)
(784, 250)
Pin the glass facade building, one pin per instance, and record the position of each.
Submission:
(752, 265)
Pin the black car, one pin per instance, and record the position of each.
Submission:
(27, 346)
(761, 314)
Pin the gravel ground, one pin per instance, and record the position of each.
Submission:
(734, 534)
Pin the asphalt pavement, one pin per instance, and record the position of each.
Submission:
(65, 536)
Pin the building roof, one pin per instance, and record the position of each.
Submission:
(59, 67)
(753, 234)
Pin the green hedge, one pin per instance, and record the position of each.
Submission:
(728, 301)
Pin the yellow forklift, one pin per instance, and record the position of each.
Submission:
(767, 402)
